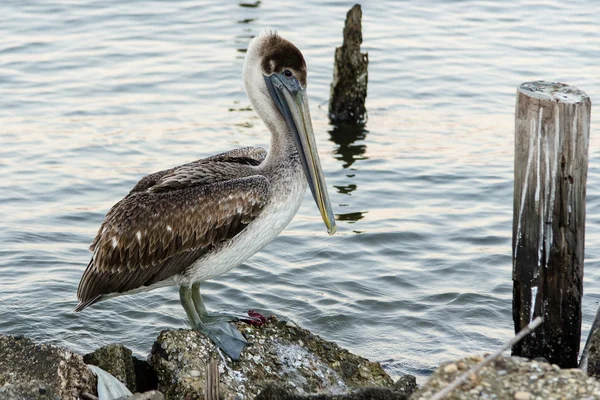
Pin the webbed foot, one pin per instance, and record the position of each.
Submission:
(225, 336)
(215, 326)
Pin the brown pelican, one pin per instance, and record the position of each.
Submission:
(191, 223)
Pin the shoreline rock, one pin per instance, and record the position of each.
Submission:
(283, 361)
(277, 392)
(57, 372)
(118, 360)
(278, 351)
(302, 364)
(512, 378)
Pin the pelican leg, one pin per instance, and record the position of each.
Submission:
(224, 335)
(212, 317)
(185, 296)
(198, 302)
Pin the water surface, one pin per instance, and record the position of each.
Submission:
(96, 94)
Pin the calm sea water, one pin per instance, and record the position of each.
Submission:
(96, 94)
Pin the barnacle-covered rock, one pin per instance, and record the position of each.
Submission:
(279, 351)
(43, 371)
(32, 390)
(511, 378)
(117, 360)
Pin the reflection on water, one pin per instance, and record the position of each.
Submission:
(240, 109)
(346, 189)
(351, 217)
(344, 135)
(241, 41)
(251, 5)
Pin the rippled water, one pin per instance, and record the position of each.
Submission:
(96, 94)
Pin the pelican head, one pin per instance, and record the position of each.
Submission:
(275, 80)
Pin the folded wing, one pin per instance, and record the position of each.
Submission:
(158, 232)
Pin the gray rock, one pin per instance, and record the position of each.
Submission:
(32, 390)
(350, 74)
(590, 357)
(511, 378)
(592, 365)
(117, 360)
(278, 352)
(151, 395)
(277, 392)
(59, 372)
(406, 385)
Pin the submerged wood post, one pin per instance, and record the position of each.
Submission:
(552, 122)
(350, 75)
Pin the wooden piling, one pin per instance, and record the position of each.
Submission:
(552, 122)
(350, 75)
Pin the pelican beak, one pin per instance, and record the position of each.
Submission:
(291, 101)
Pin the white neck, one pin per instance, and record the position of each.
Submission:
(282, 142)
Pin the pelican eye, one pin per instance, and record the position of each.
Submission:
(288, 73)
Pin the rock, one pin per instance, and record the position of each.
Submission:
(513, 378)
(350, 74)
(450, 368)
(117, 360)
(33, 390)
(277, 392)
(277, 352)
(522, 396)
(590, 358)
(57, 371)
(406, 385)
(151, 395)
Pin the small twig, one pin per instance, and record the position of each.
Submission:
(87, 396)
(476, 368)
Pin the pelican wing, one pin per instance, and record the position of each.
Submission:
(248, 155)
(152, 235)
(244, 156)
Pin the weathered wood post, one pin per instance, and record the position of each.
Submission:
(552, 122)
(350, 75)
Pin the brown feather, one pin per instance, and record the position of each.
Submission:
(152, 235)
(244, 156)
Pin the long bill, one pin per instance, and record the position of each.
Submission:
(293, 105)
